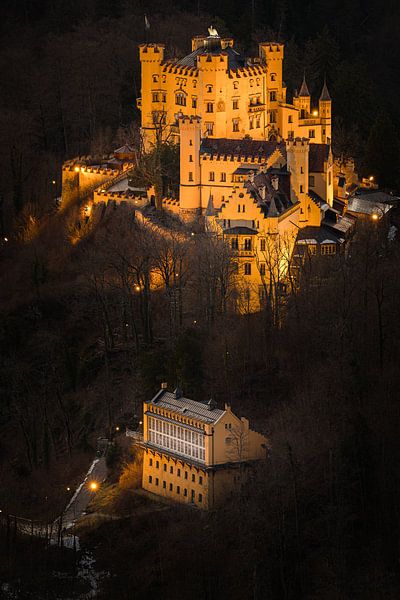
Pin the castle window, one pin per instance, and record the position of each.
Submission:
(272, 116)
(194, 102)
(192, 496)
(211, 176)
(193, 477)
(243, 208)
(155, 97)
(262, 245)
(185, 492)
(170, 487)
(164, 484)
(272, 96)
(247, 268)
(151, 462)
(157, 464)
(209, 128)
(238, 207)
(251, 123)
(190, 157)
(223, 176)
(234, 244)
(155, 78)
(273, 76)
(235, 125)
(257, 122)
(194, 83)
(164, 97)
(290, 119)
(200, 480)
(179, 473)
(311, 181)
(251, 82)
(190, 142)
(165, 467)
(171, 470)
(190, 176)
(209, 89)
(156, 480)
(186, 474)
(311, 133)
(247, 244)
(301, 189)
(328, 249)
(150, 479)
(209, 107)
(301, 170)
(200, 497)
(178, 489)
(180, 99)
(235, 104)
(262, 269)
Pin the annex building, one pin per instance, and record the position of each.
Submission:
(196, 453)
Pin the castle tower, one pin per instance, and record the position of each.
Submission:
(297, 161)
(303, 100)
(151, 58)
(190, 180)
(272, 54)
(325, 113)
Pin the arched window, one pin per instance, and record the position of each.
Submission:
(273, 76)
(251, 82)
(209, 89)
(194, 83)
(235, 85)
(258, 81)
(180, 99)
(155, 78)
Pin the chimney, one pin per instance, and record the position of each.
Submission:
(178, 393)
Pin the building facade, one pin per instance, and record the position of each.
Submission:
(234, 96)
(195, 453)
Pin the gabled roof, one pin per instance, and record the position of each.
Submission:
(201, 411)
(319, 154)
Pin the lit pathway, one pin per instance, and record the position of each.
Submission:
(83, 495)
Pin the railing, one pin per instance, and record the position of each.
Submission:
(242, 252)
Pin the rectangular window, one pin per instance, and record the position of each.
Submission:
(170, 487)
(211, 176)
(192, 495)
(328, 249)
(262, 245)
(157, 464)
(209, 107)
(190, 157)
(247, 244)
(179, 472)
(200, 479)
(190, 176)
(164, 484)
(311, 181)
(165, 467)
(258, 123)
(311, 133)
(178, 489)
(186, 475)
(155, 97)
(290, 119)
(262, 269)
(272, 116)
(171, 470)
(200, 497)
(209, 128)
(235, 104)
(194, 102)
(301, 189)
(185, 492)
(150, 479)
(235, 125)
(193, 477)
(156, 480)
(164, 97)
(251, 123)
(247, 269)
(234, 244)
(272, 96)
(223, 176)
(151, 462)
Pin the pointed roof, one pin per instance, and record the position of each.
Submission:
(325, 96)
(304, 89)
(210, 210)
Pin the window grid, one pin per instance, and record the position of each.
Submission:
(176, 438)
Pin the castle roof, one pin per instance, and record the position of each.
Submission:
(325, 96)
(304, 89)
(319, 154)
(235, 60)
(244, 147)
(201, 411)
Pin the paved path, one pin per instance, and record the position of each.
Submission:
(83, 495)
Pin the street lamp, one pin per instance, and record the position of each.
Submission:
(93, 486)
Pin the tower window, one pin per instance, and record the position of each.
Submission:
(190, 157)
(190, 176)
(251, 82)
(272, 96)
(262, 245)
(301, 189)
(209, 128)
(190, 142)
(247, 269)
(209, 89)
(155, 78)
(211, 176)
(235, 104)
(155, 97)
(235, 125)
(273, 76)
(209, 107)
(290, 119)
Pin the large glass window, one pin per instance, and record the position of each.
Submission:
(176, 438)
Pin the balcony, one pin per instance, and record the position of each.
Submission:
(241, 251)
(255, 108)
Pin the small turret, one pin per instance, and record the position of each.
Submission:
(190, 180)
(303, 100)
(325, 112)
(304, 92)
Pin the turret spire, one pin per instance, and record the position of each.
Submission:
(304, 89)
(325, 96)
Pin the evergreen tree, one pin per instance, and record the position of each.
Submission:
(382, 152)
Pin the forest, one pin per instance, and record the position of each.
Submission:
(85, 338)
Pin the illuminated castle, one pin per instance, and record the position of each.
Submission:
(234, 96)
